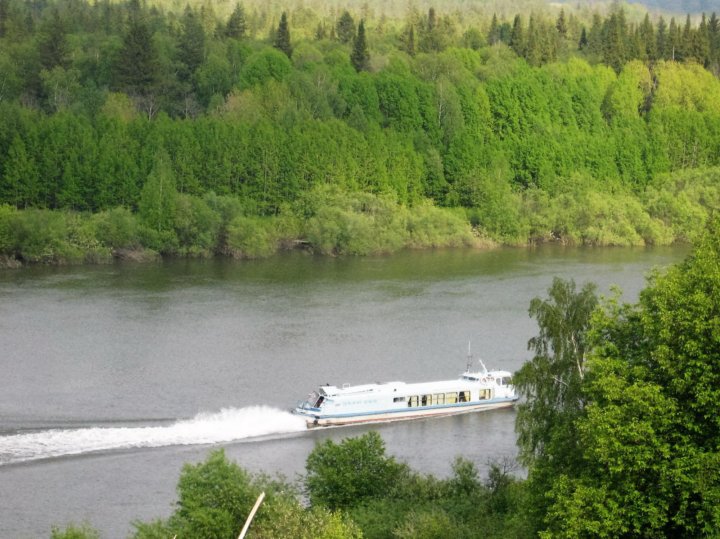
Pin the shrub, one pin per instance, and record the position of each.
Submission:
(251, 237)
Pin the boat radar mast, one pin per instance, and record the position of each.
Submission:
(470, 361)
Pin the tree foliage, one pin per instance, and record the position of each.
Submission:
(552, 381)
(340, 476)
(282, 37)
(521, 137)
(649, 436)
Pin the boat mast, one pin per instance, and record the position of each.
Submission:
(469, 359)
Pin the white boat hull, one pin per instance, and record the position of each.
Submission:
(318, 420)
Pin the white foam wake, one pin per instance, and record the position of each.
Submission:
(227, 425)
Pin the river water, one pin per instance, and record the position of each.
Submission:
(112, 377)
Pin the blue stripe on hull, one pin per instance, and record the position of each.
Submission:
(315, 413)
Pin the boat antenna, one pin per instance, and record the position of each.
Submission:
(484, 368)
(469, 359)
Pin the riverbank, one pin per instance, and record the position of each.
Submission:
(332, 222)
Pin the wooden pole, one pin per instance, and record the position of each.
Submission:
(251, 515)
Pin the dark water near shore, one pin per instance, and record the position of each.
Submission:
(114, 376)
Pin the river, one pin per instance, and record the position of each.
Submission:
(114, 376)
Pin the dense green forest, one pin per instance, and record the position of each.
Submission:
(221, 129)
(618, 429)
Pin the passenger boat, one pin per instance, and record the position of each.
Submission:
(393, 401)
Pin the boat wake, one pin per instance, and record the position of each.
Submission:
(227, 425)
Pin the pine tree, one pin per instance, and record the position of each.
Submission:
(714, 39)
(53, 46)
(561, 24)
(432, 20)
(494, 32)
(595, 36)
(410, 41)
(583, 43)
(191, 44)
(615, 52)
(136, 70)
(647, 37)
(674, 39)
(236, 26)
(360, 56)
(701, 43)
(517, 37)
(686, 43)
(345, 28)
(661, 40)
(282, 36)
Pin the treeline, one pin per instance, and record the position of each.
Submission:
(618, 429)
(613, 40)
(327, 220)
(109, 106)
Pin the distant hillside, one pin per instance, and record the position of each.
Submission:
(683, 6)
(669, 6)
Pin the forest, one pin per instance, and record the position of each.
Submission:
(136, 130)
(618, 431)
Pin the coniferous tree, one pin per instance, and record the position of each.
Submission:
(662, 40)
(517, 37)
(714, 41)
(409, 40)
(236, 26)
(360, 56)
(494, 32)
(595, 35)
(53, 46)
(136, 69)
(345, 28)
(701, 43)
(191, 44)
(432, 19)
(583, 42)
(561, 24)
(434, 35)
(320, 32)
(674, 41)
(686, 41)
(615, 52)
(647, 38)
(282, 36)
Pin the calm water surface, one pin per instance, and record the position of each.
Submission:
(113, 377)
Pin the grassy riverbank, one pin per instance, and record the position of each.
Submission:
(329, 221)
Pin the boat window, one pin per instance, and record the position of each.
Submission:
(464, 396)
(399, 399)
(439, 398)
(413, 401)
(424, 400)
(450, 398)
(485, 394)
(319, 402)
